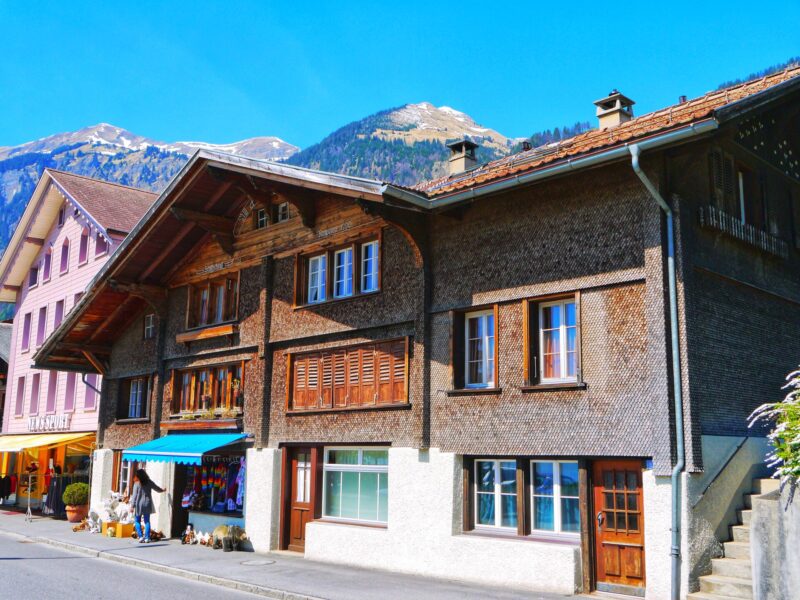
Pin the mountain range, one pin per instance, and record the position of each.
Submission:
(403, 145)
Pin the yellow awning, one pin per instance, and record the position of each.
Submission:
(17, 443)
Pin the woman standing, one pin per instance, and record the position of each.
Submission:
(142, 503)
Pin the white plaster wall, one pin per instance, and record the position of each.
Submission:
(262, 498)
(423, 534)
(163, 475)
(102, 474)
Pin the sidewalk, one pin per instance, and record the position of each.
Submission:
(277, 575)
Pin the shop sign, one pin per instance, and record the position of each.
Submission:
(49, 423)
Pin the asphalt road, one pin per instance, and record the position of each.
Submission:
(32, 570)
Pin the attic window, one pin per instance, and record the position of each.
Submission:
(33, 277)
(261, 218)
(83, 251)
(61, 217)
(100, 245)
(282, 212)
(64, 257)
(47, 267)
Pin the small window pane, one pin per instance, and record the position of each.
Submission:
(570, 515)
(375, 457)
(569, 316)
(551, 317)
(608, 480)
(569, 479)
(333, 494)
(608, 500)
(610, 521)
(343, 457)
(485, 476)
(633, 503)
(383, 497)
(509, 513)
(633, 481)
(620, 501)
(350, 495)
(508, 477)
(620, 479)
(633, 522)
(485, 509)
(543, 513)
(368, 508)
(543, 478)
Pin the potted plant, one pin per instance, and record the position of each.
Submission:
(76, 497)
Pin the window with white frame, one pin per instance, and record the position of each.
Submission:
(149, 326)
(282, 212)
(356, 484)
(554, 497)
(136, 394)
(369, 267)
(317, 278)
(558, 335)
(479, 347)
(343, 273)
(33, 276)
(496, 493)
(61, 217)
(261, 218)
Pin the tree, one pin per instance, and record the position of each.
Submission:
(785, 437)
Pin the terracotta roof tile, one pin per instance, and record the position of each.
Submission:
(597, 139)
(116, 207)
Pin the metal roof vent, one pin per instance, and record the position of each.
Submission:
(614, 110)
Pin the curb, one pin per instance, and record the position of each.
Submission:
(233, 584)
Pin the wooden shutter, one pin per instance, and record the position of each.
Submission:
(384, 363)
(399, 351)
(369, 390)
(339, 359)
(115, 466)
(312, 392)
(326, 392)
(722, 172)
(353, 377)
(457, 350)
(300, 384)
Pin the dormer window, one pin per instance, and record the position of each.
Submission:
(213, 302)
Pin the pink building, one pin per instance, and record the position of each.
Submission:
(70, 227)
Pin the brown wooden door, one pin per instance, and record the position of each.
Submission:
(619, 526)
(301, 501)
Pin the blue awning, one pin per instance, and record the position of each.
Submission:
(181, 448)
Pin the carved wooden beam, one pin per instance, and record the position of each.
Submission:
(109, 319)
(220, 228)
(11, 288)
(95, 362)
(34, 240)
(154, 295)
(220, 175)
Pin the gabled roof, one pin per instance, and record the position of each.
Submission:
(710, 105)
(105, 207)
(115, 207)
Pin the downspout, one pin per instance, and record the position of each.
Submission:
(675, 551)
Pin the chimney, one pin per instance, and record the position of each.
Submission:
(614, 110)
(462, 156)
(526, 145)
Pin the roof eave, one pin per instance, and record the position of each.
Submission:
(755, 101)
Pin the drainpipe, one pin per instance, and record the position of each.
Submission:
(675, 551)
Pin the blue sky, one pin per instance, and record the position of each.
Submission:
(224, 71)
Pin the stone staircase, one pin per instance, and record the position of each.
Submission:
(731, 577)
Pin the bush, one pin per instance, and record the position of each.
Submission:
(785, 437)
(76, 494)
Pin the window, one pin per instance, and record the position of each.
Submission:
(41, 326)
(281, 212)
(317, 278)
(124, 475)
(83, 249)
(52, 387)
(356, 484)
(78, 297)
(369, 267)
(213, 302)
(33, 276)
(354, 269)
(19, 407)
(26, 332)
(64, 257)
(59, 316)
(134, 398)
(260, 218)
(352, 377)
(496, 493)
(554, 497)
(343, 273)
(61, 217)
(47, 265)
(752, 199)
(558, 335)
(69, 393)
(217, 389)
(100, 245)
(480, 349)
(149, 326)
(90, 401)
(37, 377)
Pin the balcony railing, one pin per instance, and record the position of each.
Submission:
(714, 218)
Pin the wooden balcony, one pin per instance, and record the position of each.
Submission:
(714, 218)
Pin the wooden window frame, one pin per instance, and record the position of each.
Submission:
(557, 497)
(27, 330)
(83, 247)
(378, 261)
(124, 399)
(360, 468)
(302, 271)
(36, 386)
(531, 332)
(260, 218)
(63, 257)
(281, 212)
(350, 394)
(343, 252)
(62, 217)
(192, 320)
(70, 408)
(19, 398)
(33, 277)
(47, 265)
(41, 326)
(214, 381)
(459, 350)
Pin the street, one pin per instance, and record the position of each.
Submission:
(33, 570)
